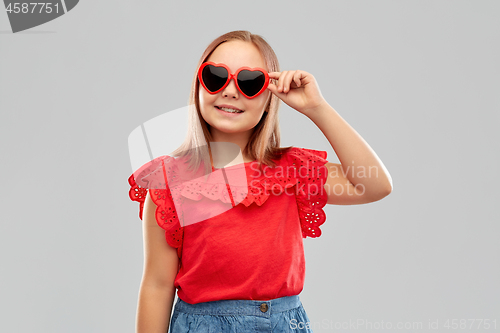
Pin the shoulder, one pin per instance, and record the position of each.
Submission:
(158, 172)
(304, 156)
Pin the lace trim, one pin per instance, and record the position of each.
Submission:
(152, 176)
(196, 190)
(137, 193)
(257, 190)
(261, 189)
(167, 218)
(311, 197)
(309, 177)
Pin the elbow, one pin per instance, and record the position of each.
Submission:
(385, 187)
(381, 193)
(388, 189)
(388, 185)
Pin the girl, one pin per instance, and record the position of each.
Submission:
(229, 239)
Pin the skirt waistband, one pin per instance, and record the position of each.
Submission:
(240, 307)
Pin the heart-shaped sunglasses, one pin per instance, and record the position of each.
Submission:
(251, 82)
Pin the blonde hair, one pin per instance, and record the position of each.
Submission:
(264, 143)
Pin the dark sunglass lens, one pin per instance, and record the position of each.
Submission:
(251, 82)
(214, 78)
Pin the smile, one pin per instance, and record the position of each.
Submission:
(228, 110)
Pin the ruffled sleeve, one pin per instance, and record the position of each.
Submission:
(311, 197)
(153, 177)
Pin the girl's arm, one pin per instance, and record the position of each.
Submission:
(362, 177)
(157, 291)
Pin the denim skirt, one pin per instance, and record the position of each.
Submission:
(280, 315)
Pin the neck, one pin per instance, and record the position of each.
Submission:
(227, 146)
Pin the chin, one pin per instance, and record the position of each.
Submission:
(231, 130)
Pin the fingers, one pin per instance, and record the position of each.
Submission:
(281, 81)
(285, 80)
(280, 76)
(288, 80)
(273, 88)
(297, 77)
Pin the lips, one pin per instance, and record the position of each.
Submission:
(227, 106)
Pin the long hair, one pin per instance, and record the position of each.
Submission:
(264, 143)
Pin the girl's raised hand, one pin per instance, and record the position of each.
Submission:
(298, 89)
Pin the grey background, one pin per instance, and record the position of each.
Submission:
(417, 79)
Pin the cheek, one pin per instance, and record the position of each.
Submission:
(260, 101)
(206, 99)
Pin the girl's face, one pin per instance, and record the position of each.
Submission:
(234, 54)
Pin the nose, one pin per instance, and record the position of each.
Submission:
(230, 90)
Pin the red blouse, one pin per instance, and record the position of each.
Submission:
(238, 233)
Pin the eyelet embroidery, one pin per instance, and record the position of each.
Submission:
(310, 204)
(165, 214)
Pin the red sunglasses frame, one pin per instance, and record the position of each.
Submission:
(232, 77)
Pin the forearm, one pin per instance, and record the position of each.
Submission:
(360, 163)
(154, 309)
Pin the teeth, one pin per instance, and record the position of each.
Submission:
(230, 110)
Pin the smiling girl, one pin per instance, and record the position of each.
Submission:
(231, 242)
